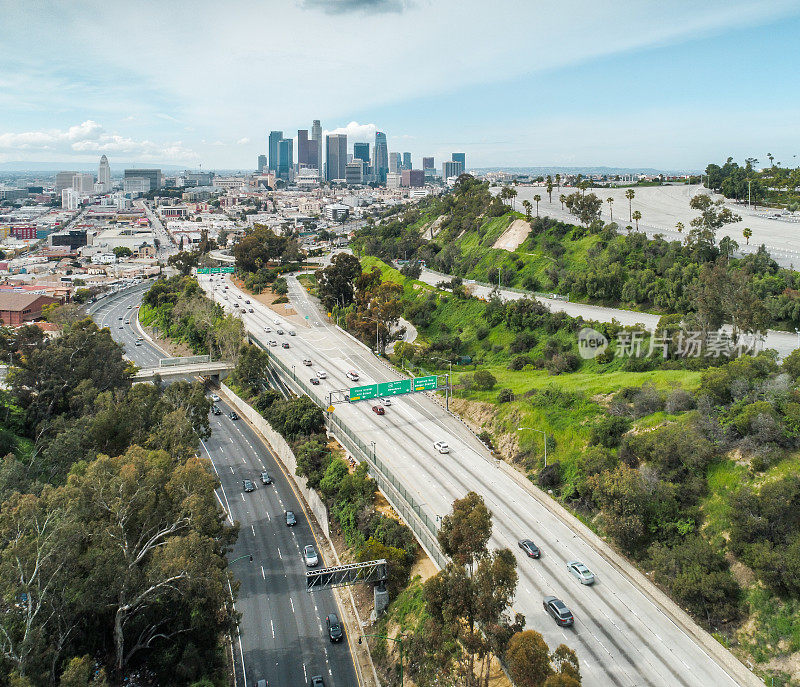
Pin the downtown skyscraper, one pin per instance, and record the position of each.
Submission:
(316, 137)
(336, 156)
(380, 157)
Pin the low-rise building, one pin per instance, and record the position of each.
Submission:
(17, 308)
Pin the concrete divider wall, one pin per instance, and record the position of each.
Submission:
(284, 453)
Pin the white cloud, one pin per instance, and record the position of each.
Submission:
(243, 141)
(90, 137)
(362, 133)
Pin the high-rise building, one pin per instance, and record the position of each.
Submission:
(380, 157)
(354, 172)
(462, 158)
(393, 180)
(406, 160)
(428, 163)
(104, 174)
(336, 156)
(285, 158)
(272, 149)
(83, 183)
(316, 135)
(395, 163)
(412, 178)
(452, 169)
(302, 147)
(361, 151)
(262, 163)
(64, 180)
(153, 175)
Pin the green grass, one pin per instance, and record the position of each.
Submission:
(724, 479)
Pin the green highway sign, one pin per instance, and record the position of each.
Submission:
(425, 383)
(216, 270)
(228, 270)
(402, 386)
(362, 393)
(203, 270)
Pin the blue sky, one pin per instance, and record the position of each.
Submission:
(511, 83)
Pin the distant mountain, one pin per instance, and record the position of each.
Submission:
(555, 169)
(54, 167)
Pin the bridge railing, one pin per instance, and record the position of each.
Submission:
(186, 360)
(414, 514)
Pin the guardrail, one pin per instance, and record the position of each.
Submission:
(186, 360)
(421, 523)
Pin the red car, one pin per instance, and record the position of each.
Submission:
(380, 410)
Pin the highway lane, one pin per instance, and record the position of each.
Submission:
(283, 636)
(621, 636)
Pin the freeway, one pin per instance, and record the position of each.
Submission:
(283, 635)
(622, 636)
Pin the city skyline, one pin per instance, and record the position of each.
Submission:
(665, 84)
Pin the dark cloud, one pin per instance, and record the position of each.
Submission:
(367, 6)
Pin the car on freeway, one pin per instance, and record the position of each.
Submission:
(285, 344)
(233, 416)
(558, 611)
(352, 375)
(226, 286)
(310, 556)
(386, 401)
(273, 342)
(138, 343)
(249, 310)
(291, 520)
(530, 549)
(119, 318)
(306, 362)
(442, 447)
(335, 632)
(248, 486)
(379, 410)
(279, 331)
(215, 398)
(265, 478)
(317, 681)
(139, 339)
(579, 570)
(276, 321)
(215, 410)
(247, 300)
(268, 329)
(314, 381)
(292, 332)
(129, 307)
(322, 374)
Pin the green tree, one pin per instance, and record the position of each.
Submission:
(630, 194)
(636, 217)
(122, 252)
(528, 659)
(335, 283)
(610, 202)
(527, 205)
(747, 233)
(537, 199)
(465, 531)
(585, 207)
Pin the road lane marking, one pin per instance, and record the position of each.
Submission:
(291, 603)
(252, 527)
(264, 577)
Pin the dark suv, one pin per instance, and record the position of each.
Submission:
(291, 520)
(334, 627)
(558, 611)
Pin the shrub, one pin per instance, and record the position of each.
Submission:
(484, 380)
(609, 430)
(505, 395)
(519, 362)
(550, 477)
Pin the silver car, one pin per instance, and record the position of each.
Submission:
(579, 570)
(442, 447)
(310, 556)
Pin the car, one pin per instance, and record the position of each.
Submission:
(265, 478)
(558, 611)
(531, 550)
(276, 321)
(226, 286)
(334, 627)
(579, 570)
(138, 343)
(139, 339)
(215, 398)
(129, 307)
(379, 410)
(248, 486)
(292, 332)
(442, 447)
(262, 683)
(233, 416)
(247, 300)
(314, 381)
(386, 401)
(268, 329)
(279, 332)
(291, 520)
(322, 374)
(249, 310)
(306, 362)
(119, 318)
(215, 410)
(317, 681)
(121, 327)
(285, 344)
(310, 556)
(352, 375)
(273, 342)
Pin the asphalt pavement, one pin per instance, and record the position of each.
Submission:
(283, 636)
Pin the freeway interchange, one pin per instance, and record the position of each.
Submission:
(621, 634)
(283, 638)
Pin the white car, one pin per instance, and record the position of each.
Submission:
(352, 375)
(215, 398)
(386, 401)
(276, 321)
(310, 556)
(273, 343)
(267, 329)
(579, 570)
(321, 374)
(442, 447)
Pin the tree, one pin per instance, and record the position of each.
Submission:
(747, 233)
(251, 369)
(527, 205)
(636, 217)
(558, 181)
(610, 202)
(728, 246)
(585, 207)
(562, 199)
(630, 194)
(528, 659)
(713, 216)
(537, 199)
(465, 531)
(549, 188)
(122, 252)
(335, 283)
(680, 227)
(184, 261)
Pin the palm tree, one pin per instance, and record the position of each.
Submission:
(679, 226)
(747, 233)
(727, 245)
(558, 181)
(636, 217)
(563, 200)
(629, 194)
(527, 205)
(550, 189)
(610, 202)
(512, 193)
(770, 157)
(537, 198)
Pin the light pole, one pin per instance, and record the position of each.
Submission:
(533, 429)
(447, 388)
(399, 639)
(239, 558)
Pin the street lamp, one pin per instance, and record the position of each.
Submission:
(247, 555)
(533, 429)
(449, 377)
(399, 639)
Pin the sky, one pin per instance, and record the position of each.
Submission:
(512, 83)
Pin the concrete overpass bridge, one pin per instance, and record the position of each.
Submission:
(185, 367)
